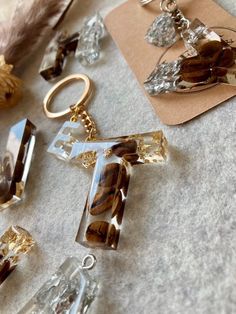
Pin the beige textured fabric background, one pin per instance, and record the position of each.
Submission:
(177, 252)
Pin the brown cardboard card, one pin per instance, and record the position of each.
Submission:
(128, 25)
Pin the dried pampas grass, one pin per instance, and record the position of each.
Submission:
(10, 86)
(28, 26)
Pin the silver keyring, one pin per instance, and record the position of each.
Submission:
(88, 262)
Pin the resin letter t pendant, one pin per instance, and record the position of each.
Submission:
(113, 158)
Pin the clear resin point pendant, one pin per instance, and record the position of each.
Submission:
(113, 159)
(14, 243)
(71, 290)
(15, 164)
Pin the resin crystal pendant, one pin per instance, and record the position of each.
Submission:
(88, 49)
(102, 218)
(71, 290)
(15, 165)
(162, 32)
(209, 60)
(14, 243)
(54, 58)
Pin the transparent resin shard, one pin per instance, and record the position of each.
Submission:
(55, 55)
(162, 32)
(14, 243)
(70, 290)
(88, 49)
(209, 60)
(15, 165)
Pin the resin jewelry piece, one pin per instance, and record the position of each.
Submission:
(14, 243)
(54, 58)
(167, 27)
(209, 60)
(70, 290)
(15, 165)
(85, 45)
(88, 48)
(113, 159)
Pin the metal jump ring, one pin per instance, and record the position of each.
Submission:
(144, 2)
(57, 87)
(86, 259)
(168, 6)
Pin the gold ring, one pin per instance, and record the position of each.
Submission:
(58, 86)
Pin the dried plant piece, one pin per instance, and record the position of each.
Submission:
(10, 86)
(26, 30)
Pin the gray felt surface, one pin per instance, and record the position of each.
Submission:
(177, 252)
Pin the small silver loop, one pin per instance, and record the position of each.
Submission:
(88, 262)
(144, 2)
(168, 6)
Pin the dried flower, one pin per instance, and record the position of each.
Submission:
(10, 86)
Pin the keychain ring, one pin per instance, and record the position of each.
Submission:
(57, 88)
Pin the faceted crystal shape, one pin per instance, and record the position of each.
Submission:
(15, 165)
(162, 32)
(88, 49)
(164, 78)
(54, 57)
(69, 290)
(15, 242)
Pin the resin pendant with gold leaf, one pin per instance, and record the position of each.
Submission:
(15, 164)
(14, 243)
(114, 159)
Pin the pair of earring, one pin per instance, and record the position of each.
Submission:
(84, 45)
(209, 60)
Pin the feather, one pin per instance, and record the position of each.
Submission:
(28, 26)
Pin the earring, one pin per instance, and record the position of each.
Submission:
(15, 165)
(209, 60)
(14, 243)
(112, 160)
(70, 290)
(167, 27)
